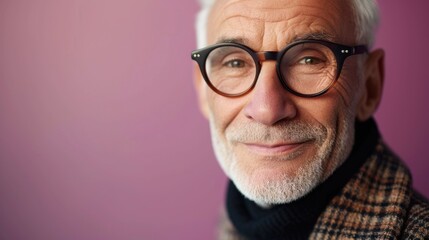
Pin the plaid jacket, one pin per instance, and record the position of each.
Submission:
(377, 203)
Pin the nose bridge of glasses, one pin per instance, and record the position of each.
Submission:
(269, 55)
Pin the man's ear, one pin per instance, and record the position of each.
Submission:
(373, 88)
(200, 88)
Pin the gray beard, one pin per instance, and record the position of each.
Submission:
(332, 152)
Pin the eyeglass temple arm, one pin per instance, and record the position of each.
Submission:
(360, 49)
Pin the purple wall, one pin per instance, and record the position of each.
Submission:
(100, 135)
(404, 112)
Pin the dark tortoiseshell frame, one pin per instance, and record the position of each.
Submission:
(341, 52)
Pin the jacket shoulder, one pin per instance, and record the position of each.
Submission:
(417, 221)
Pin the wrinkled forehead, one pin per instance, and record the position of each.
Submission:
(281, 21)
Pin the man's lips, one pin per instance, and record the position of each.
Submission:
(274, 149)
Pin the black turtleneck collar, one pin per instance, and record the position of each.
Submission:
(295, 220)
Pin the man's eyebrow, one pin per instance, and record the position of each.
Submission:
(314, 36)
(232, 40)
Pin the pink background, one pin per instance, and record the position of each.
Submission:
(100, 134)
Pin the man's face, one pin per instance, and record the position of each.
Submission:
(273, 145)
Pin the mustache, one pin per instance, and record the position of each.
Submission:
(287, 132)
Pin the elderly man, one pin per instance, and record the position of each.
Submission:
(289, 88)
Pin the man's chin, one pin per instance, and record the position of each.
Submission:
(268, 186)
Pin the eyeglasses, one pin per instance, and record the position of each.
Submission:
(306, 68)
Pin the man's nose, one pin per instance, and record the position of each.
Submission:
(269, 101)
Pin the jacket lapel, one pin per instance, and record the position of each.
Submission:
(373, 203)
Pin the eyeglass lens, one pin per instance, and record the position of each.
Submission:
(231, 70)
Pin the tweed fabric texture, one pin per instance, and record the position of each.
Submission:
(377, 203)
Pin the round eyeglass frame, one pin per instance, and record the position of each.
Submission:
(341, 52)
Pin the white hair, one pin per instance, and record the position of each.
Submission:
(201, 22)
(365, 13)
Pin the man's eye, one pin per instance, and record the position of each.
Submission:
(236, 63)
(310, 61)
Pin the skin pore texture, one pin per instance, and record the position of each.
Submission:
(275, 146)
